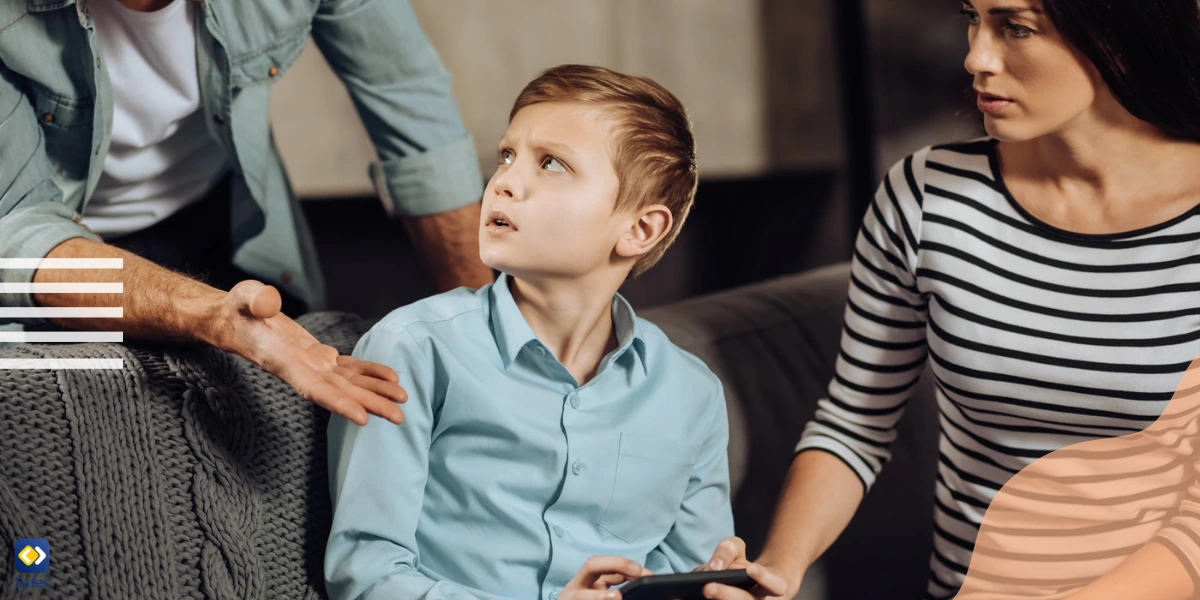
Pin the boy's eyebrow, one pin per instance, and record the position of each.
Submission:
(549, 147)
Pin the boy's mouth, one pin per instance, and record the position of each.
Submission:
(499, 222)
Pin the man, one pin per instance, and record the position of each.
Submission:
(143, 125)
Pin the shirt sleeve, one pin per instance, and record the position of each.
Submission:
(33, 217)
(427, 162)
(706, 516)
(1181, 535)
(377, 478)
(883, 347)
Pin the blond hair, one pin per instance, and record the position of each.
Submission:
(654, 151)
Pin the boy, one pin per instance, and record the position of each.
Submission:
(546, 424)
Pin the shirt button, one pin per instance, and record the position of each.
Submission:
(577, 468)
(554, 596)
(559, 531)
(540, 351)
(574, 401)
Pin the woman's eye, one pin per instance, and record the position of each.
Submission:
(1019, 31)
(552, 164)
(506, 157)
(971, 16)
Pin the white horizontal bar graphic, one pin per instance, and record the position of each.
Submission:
(62, 288)
(61, 312)
(39, 337)
(61, 363)
(62, 263)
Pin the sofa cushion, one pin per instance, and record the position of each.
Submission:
(189, 473)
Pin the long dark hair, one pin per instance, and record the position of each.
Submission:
(1148, 52)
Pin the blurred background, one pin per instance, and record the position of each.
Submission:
(799, 106)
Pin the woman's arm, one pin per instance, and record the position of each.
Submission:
(1151, 573)
(882, 356)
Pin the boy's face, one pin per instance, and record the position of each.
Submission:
(548, 210)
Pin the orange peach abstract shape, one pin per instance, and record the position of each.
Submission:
(1075, 514)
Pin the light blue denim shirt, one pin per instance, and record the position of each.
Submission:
(506, 475)
(56, 120)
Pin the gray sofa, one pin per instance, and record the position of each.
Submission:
(192, 474)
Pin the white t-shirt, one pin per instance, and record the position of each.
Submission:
(161, 157)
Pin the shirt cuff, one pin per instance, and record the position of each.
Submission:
(437, 181)
(32, 233)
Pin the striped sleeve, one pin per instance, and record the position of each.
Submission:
(1181, 534)
(883, 349)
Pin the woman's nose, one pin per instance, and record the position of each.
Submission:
(983, 59)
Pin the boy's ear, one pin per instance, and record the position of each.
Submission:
(651, 226)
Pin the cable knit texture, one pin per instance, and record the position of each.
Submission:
(190, 473)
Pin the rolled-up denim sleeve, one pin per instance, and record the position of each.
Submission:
(427, 162)
(33, 218)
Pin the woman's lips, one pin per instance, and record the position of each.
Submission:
(991, 104)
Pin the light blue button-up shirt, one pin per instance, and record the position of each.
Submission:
(507, 475)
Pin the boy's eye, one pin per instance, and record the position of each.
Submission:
(551, 164)
(506, 157)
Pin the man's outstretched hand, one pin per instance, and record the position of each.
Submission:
(250, 323)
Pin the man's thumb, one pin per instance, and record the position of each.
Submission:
(255, 299)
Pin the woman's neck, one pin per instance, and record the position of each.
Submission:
(572, 318)
(1107, 154)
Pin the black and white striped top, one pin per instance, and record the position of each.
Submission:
(1039, 338)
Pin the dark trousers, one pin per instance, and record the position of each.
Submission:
(196, 242)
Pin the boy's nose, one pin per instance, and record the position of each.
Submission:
(507, 184)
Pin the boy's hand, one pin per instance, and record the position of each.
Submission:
(731, 554)
(598, 574)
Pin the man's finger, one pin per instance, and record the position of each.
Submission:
(327, 395)
(717, 591)
(373, 403)
(368, 368)
(256, 299)
(770, 581)
(390, 391)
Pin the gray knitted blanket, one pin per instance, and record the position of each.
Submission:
(189, 474)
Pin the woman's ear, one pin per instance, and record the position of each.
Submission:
(651, 226)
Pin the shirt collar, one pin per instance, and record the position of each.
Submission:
(512, 333)
(44, 5)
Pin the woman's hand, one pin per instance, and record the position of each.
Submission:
(731, 554)
(600, 573)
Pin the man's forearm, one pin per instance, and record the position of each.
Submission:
(449, 246)
(819, 497)
(157, 304)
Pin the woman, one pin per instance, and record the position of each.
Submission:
(1049, 273)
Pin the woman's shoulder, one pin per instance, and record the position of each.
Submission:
(970, 158)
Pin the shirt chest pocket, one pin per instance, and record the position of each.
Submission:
(67, 127)
(268, 64)
(652, 477)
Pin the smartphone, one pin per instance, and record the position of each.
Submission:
(682, 586)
